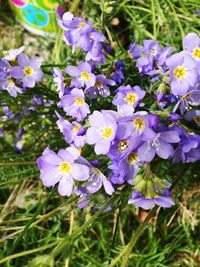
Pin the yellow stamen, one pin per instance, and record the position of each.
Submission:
(10, 83)
(98, 84)
(75, 128)
(132, 157)
(79, 101)
(85, 76)
(65, 167)
(131, 98)
(81, 24)
(179, 72)
(197, 119)
(107, 132)
(196, 53)
(122, 145)
(139, 123)
(96, 171)
(28, 71)
(184, 98)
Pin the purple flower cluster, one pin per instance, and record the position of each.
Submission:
(139, 125)
(18, 72)
(79, 32)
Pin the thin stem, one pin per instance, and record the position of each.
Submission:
(27, 252)
(81, 229)
(135, 236)
(153, 18)
(15, 163)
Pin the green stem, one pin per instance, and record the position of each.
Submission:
(27, 252)
(74, 236)
(153, 18)
(15, 163)
(135, 236)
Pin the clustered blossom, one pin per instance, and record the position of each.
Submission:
(18, 72)
(114, 127)
(79, 32)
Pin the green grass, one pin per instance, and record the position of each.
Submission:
(39, 228)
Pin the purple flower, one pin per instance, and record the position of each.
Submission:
(73, 132)
(127, 95)
(102, 131)
(83, 75)
(159, 144)
(164, 200)
(28, 70)
(97, 179)
(74, 104)
(145, 65)
(4, 70)
(118, 74)
(95, 54)
(38, 100)
(151, 48)
(10, 86)
(188, 149)
(193, 115)
(183, 73)
(1, 132)
(191, 98)
(135, 51)
(101, 87)
(134, 125)
(12, 54)
(191, 43)
(61, 168)
(60, 81)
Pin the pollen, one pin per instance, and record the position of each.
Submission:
(65, 167)
(79, 101)
(10, 83)
(96, 171)
(131, 98)
(85, 76)
(107, 132)
(139, 123)
(132, 158)
(197, 119)
(81, 24)
(196, 53)
(75, 128)
(122, 145)
(98, 84)
(185, 98)
(179, 72)
(28, 71)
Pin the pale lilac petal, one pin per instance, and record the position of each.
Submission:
(164, 150)
(23, 60)
(66, 156)
(102, 147)
(146, 204)
(84, 66)
(28, 81)
(65, 186)
(80, 172)
(17, 72)
(73, 71)
(190, 41)
(50, 176)
(35, 62)
(107, 186)
(165, 202)
(92, 136)
(170, 136)
(146, 153)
